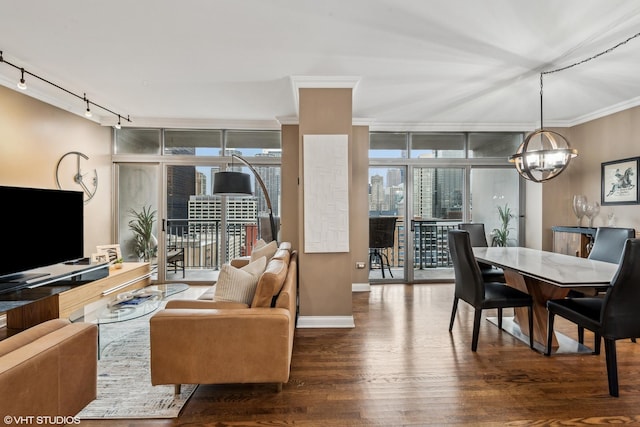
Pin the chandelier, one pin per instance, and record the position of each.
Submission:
(544, 154)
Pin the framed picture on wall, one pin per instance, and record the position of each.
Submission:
(620, 182)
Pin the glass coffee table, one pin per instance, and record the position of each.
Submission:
(132, 305)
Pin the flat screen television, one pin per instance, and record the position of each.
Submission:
(39, 227)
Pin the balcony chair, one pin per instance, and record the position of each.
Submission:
(479, 239)
(470, 287)
(381, 236)
(175, 258)
(613, 317)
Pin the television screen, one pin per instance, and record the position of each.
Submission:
(39, 227)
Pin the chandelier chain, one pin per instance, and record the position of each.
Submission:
(594, 56)
(597, 55)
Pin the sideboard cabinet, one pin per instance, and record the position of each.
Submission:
(61, 301)
(575, 241)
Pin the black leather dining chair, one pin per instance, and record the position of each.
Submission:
(613, 317)
(479, 239)
(609, 242)
(608, 245)
(471, 288)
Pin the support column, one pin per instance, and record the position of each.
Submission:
(325, 276)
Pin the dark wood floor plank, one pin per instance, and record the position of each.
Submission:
(400, 367)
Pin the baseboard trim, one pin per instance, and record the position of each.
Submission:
(325, 322)
(360, 287)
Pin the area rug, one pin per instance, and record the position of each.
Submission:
(124, 377)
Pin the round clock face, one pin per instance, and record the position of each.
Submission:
(74, 173)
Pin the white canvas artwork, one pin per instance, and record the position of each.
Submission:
(326, 193)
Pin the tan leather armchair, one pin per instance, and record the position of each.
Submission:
(49, 369)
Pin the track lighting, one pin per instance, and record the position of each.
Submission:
(21, 84)
(88, 112)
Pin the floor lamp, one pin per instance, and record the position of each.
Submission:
(231, 183)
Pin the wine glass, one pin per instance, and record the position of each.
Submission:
(579, 203)
(591, 210)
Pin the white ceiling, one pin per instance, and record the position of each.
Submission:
(419, 64)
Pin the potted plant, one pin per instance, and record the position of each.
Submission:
(117, 264)
(145, 244)
(499, 236)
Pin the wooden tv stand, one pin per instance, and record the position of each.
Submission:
(132, 275)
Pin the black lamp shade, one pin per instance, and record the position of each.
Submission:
(230, 182)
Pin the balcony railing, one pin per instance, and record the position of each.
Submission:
(200, 240)
(430, 243)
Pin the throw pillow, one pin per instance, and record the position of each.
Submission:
(266, 251)
(239, 284)
(259, 243)
(256, 267)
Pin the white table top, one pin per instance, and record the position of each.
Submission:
(558, 269)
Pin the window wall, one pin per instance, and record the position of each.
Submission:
(446, 178)
(171, 172)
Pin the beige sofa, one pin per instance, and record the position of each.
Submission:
(216, 342)
(49, 370)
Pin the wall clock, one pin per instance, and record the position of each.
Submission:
(70, 174)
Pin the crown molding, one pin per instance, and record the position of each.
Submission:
(77, 108)
(325, 82)
(321, 82)
(450, 127)
(625, 105)
(177, 123)
(288, 120)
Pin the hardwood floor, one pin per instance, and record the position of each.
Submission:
(400, 367)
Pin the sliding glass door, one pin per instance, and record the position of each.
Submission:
(432, 181)
(438, 206)
(387, 248)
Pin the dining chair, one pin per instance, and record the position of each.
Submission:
(613, 317)
(471, 288)
(479, 239)
(608, 245)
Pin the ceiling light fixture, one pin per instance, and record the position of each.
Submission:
(22, 85)
(545, 154)
(118, 125)
(87, 113)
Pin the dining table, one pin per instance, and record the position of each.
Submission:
(545, 275)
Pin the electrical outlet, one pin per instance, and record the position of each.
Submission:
(360, 265)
